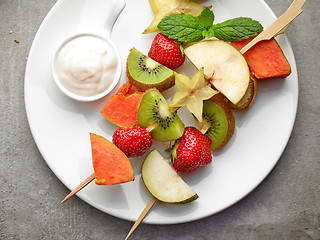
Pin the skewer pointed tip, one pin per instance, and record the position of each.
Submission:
(79, 187)
(142, 216)
(65, 199)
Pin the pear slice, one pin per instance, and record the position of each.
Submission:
(163, 182)
(224, 66)
(192, 92)
(163, 8)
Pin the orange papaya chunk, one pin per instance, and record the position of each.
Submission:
(111, 166)
(126, 89)
(122, 108)
(265, 59)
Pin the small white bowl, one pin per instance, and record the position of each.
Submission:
(116, 77)
(116, 7)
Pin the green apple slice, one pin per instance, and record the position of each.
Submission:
(163, 182)
(224, 66)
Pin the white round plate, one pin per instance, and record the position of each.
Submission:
(61, 126)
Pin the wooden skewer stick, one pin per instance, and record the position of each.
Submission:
(298, 4)
(275, 27)
(142, 216)
(79, 187)
(151, 127)
(205, 128)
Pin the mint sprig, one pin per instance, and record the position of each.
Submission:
(187, 28)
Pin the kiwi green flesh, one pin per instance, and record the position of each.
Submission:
(214, 116)
(145, 73)
(154, 110)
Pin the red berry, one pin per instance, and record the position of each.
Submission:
(165, 51)
(133, 142)
(193, 150)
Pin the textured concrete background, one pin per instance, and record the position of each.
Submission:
(285, 206)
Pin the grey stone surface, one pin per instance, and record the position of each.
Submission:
(285, 206)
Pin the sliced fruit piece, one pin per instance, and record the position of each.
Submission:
(192, 92)
(265, 59)
(224, 66)
(133, 142)
(144, 73)
(218, 121)
(126, 89)
(249, 96)
(122, 108)
(165, 51)
(163, 182)
(111, 166)
(154, 111)
(191, 151)
(163, 8)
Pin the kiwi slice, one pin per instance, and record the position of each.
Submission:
(144, 73)
(219, 121)
(154, 113)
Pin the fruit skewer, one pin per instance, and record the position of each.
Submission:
(111, 166)
(152, 201)
(201, 148)
(281, 25)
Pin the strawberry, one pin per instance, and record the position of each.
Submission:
(191, 151)
(165, 51)
(133, 142)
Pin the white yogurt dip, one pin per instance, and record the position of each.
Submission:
(86, 65)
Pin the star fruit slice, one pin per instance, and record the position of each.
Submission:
(163, 8)
(192, 92)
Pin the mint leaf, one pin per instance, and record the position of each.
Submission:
(206, 18)
(184, 28)
(187, 28)
(236, 29)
